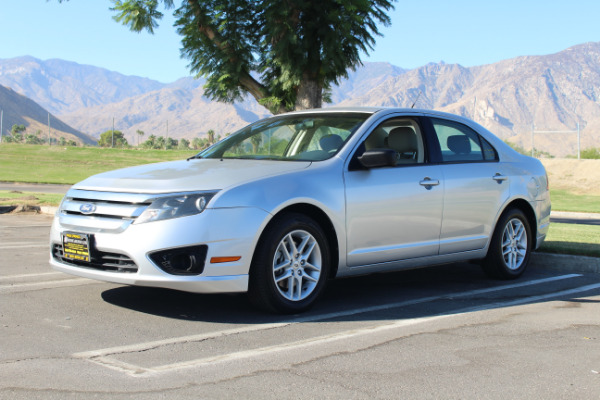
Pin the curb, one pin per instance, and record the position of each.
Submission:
(24, 208)
(565, 263)
(50, 210)
(574, 215)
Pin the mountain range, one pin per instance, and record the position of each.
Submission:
(512, 98)
(21, 110)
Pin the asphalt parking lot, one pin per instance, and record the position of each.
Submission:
(444, 332)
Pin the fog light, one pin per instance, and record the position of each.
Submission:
(181, 261)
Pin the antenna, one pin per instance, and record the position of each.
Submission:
(417, 99)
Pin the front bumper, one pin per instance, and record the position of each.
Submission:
(231, 232)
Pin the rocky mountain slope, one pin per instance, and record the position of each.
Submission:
(63, 86)
(512, 97)
(20, 110)
(182, 106)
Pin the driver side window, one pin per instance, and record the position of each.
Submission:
(402, 135)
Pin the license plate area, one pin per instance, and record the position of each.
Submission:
(76, 246)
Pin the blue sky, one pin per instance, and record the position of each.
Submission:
(466, 32)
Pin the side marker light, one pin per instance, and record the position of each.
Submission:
(217, 260)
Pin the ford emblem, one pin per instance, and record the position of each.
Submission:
(87, 208)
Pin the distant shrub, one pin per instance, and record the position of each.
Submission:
(591, 153)
(536, 153)
(518, 148)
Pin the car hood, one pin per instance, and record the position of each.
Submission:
(186, 176)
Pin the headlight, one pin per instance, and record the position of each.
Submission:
(175, 206)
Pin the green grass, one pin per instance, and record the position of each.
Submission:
(573, 239)
(69, 165)
(563, 200)
(15, 198)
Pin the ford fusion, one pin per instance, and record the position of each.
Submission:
(289, 202)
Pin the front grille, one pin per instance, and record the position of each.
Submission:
(102, 261)
(95, 211)
(104, 204)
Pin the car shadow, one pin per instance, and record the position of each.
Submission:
(341, 298)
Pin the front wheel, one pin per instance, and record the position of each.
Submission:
(290, 265)
(511, 246)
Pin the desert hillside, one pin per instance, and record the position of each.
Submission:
(20, 110)
(578, 176)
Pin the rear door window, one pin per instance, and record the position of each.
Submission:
(459, 143)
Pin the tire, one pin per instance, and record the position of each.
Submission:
(290, 265)
(510, 247)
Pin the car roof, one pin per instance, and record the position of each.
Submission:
(373, 110)
(389, 110)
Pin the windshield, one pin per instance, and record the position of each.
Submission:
(306, 137)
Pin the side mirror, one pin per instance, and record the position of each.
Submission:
(377, 158)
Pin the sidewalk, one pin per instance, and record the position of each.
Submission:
(34, 187)
(566, 217)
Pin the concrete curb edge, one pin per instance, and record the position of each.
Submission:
(565, 263)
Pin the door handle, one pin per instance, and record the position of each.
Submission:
(499, 177)
(429, 183)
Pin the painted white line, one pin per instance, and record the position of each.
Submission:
(135, 370)
(533, 299)
(184, 339)
(24, 287)
(23, 276)
(474, 292)
(120, 366)
(23, 226)
(23, 246)
(21, 243)
(344, 335)
(212, 335)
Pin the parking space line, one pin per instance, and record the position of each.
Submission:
(23, 245)
(23, 287)
(23, 226)
(212, 335)
(135, 370)
(22, 276)
(532, 299)
(101, 356)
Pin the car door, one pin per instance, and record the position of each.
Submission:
(394, 213)
(476, 186)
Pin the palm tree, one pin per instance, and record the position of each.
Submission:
(211, 137)
(140, 134)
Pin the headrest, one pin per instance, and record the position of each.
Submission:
(331, 142)
(403, 139)
(459, 144)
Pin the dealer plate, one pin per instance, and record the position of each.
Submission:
(76, 246)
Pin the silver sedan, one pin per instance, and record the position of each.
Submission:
(283, 205)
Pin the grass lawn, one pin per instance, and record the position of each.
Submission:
(14, 198)
(69, 165)
(573, 239)
(563, 200)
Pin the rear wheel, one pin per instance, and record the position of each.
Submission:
(290, 265)
(511, 246)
